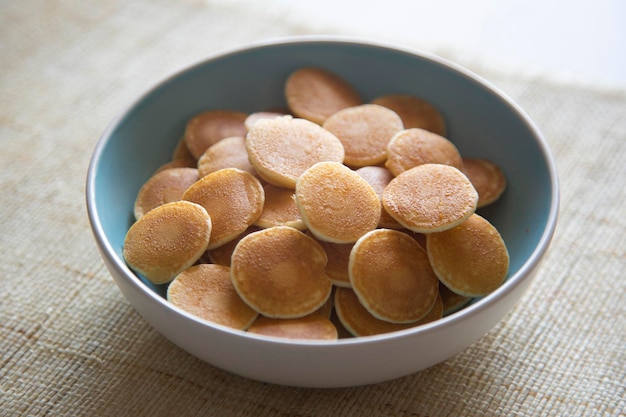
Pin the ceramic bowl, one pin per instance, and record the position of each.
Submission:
(481, 121)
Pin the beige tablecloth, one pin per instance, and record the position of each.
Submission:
(71, 345)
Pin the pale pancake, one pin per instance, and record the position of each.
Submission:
(167, 240)
(281, 149)
(207, 292)
(253, 118)
(359, 322)
(391, 275)
(163, 187)
(414, 112)
(430, 198)
(470, 259)
(233, 198)
(311, 327)
(338, 259)
(315, 94)
(452, 302)
(208, 128)
(279, 272)
(378, 177)
(412, 147)
(227, 153)
(222, 254)
(280, 209)
(486, 177)
(364, 131)
(336, 204)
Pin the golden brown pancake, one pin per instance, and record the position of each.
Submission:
(364, 131)
(177, 163)
(208, 128)
(486, 177)
(280, 209)
(207, 292)
(167, 240)
(181, 151)
(279, 272)
(227, 153)
(359, 322)
(311, 327)
(378, 177)
(336, 204)
(222, 254)
(430, 198)
(391, 275)
(452, 302)
(233, 198)
(412, 147)
(282, 149)
(315, 94)
(470, 259)
(338, 259)
(163, 187)
(414, 112)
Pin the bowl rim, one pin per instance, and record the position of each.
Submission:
(476, 308)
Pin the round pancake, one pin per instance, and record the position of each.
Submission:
(392, 276)
(163, 187)
(181, 151)
(208, 128)
(315, 94)
(207, 292)
(412, 147)
(222, 254)
(336, 204)
(253, 118)
(414, 112)
(233, 198)
(430, 198)
(280, 209)
(364, 131)
(281, 149)
(359, 322)
(338, 259)
(279, 272)
(311, 327)
(378, 177)
(227, 153)
(177, 163)
(470, 259)
(452, 302)
(167, 240)
(486, 177)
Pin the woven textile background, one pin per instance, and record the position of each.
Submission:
(71, 345)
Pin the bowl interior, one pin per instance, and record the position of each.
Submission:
(481, 122)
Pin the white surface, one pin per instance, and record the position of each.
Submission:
(571, 41)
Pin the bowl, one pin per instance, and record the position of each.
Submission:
(481, 121)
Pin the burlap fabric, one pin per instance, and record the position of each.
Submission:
(71, 345)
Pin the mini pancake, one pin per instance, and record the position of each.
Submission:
(364, 131)
(414, 112)
(222, 254)
(167, 240)
(452, 302)
(430, 198)
(392, 276)
(178, 163)
(279, 272)
(470, 259)
(207, 292)
(163, 187)
(315, 94)
(338, 259)
(486, 177)
(336, 204)
(311, 327)
(412, 147)
(227, 153)
(253, 118)
(378, 177)
(282, 149)
(359, 322)
(280, 209)
(208, 128)
(181, 151)
(233, 198)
